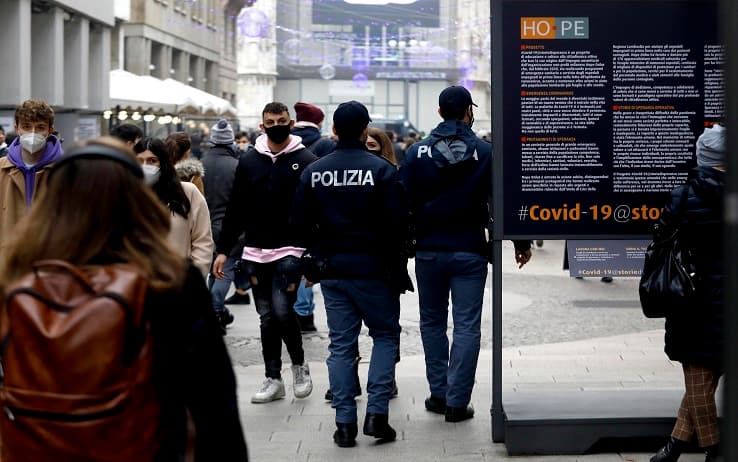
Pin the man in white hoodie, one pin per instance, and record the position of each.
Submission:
(260, 207)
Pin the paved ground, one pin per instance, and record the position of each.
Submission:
(560, 333)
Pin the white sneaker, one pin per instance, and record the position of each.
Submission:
(302, 383)
(271, 390)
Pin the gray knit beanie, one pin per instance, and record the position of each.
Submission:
(711, 147)
(221, 133)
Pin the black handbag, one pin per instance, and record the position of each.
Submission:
(668, 280)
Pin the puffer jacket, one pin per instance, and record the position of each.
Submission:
(192, 171)
(695, 336)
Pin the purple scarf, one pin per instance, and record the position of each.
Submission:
(51, 153)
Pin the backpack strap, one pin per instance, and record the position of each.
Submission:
(80, 276)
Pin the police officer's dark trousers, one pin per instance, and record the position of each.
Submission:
(347, 303)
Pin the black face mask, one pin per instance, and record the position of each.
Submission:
(471, 118)
(377, 152)
(278, 133)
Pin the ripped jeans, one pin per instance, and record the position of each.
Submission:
(274, 286)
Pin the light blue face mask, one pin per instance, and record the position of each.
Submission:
(151, 174)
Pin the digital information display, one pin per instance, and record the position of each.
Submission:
(597, 108)
(421, 13)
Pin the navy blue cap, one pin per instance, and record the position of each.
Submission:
(351, 118)
(455, 97)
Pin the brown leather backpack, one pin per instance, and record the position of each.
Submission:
(77, 367)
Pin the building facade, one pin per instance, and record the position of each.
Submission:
(184, 40)
(187, 42)
(257, 61)
(58, 50)
(395, 60)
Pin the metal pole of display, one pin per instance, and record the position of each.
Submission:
(498, 418)
(729, 18)
(495, 229)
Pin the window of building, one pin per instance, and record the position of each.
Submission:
(179, 6)
(210, 14)
(196, 10)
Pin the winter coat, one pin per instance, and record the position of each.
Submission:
(192, 237)
(192, 171)
(695, 336)
(13, 195)
(314, 142)
(261, 200)
(447, 178)
(349, 208)
(220, 163)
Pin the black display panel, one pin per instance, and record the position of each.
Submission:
(422, 13)
(597, 108)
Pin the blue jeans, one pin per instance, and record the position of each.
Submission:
(219, 287)
(347, 303)
(274, 286)
(464, 274)
(304, 306)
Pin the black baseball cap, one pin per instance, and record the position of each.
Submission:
(455, 97)
(350, 118)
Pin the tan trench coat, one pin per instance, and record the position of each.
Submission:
(13, 196)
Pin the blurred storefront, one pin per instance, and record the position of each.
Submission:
(174, 64)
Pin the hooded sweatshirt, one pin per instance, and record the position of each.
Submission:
(260, 203)
(51, 153)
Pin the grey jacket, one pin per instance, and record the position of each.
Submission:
(220, 163)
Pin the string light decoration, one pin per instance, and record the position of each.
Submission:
(383, 45)
(360, 80)
(253, 23)
(327, 71)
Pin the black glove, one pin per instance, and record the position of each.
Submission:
(314, 266)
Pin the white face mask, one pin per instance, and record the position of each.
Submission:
(151, 174)
(32, 142)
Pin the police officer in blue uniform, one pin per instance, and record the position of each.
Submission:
(350, 209)
(447, 177)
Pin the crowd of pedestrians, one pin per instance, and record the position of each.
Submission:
(163, 235)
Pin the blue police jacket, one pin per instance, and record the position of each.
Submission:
(448, 178)
(349, 206)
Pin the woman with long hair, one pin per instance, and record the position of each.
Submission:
(190, 232)
(379, 143)
(96, 212)
(188, 168)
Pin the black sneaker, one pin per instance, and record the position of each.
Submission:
(225, 318)
(307, 324)
(238, 299)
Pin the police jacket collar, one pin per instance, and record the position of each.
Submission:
(350, 144)
(453, 128)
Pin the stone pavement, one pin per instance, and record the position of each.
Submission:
(548, 318)
(301, 429)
